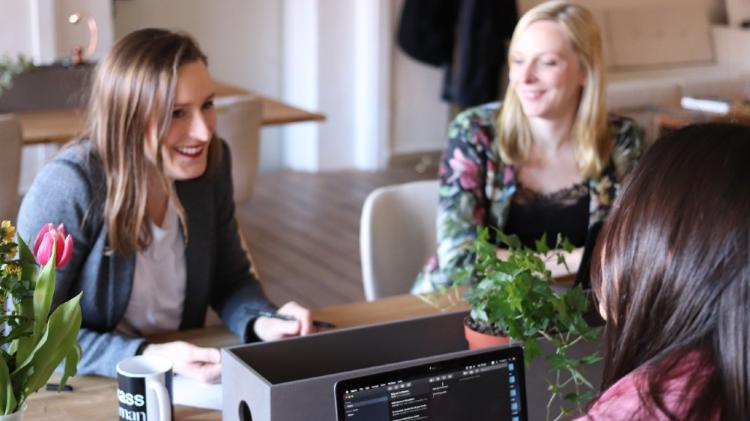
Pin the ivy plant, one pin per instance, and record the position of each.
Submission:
(514, 296)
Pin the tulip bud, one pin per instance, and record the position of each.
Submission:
(48, 238)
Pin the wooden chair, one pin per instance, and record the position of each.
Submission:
(10, 165)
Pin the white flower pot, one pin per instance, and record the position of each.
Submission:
(16, 416)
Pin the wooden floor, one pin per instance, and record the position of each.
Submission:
(303, 232)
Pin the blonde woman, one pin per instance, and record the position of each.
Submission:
(547, 160)
(146, 194)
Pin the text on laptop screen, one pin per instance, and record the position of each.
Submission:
(487, 386)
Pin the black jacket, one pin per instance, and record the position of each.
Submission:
(472, 31)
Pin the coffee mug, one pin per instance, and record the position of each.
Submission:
(144, 388)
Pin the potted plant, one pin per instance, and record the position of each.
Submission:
(513, 299)
(10, 68)
(34, 342)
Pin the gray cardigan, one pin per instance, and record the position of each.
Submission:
(71, 190)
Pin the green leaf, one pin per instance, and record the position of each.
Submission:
(512, 241)
(580, 378)
(531, 350)
(25, 345)
(559, 362)
(567, 245)
(60, 336)
(586, 396)
(552, 387)
(591, 359)
(571, 397)
(25, 303)
(26, 257)
(6, 389)
(71, 364)
(43, 292)
(541, 244)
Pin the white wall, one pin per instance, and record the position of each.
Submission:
(299, 81)
(372, 79)
(15, 27)
(242, 39)
(39, 29)
(337, 61)
(69, 36)
(737, 11)
(336, 79)
(420, 118)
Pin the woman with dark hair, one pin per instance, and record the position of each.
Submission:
(146, 193)
(672, 274)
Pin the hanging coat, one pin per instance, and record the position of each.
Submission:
(466, 37)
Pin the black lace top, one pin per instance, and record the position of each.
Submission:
(565, 211)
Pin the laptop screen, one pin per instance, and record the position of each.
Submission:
(485, 386)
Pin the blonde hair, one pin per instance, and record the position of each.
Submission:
(590, 130)
(134, 85)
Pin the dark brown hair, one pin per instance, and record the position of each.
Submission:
(134, 84)
(672, 269)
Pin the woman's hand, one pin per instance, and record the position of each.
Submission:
(573, 259)
(192, 361)
(268, 329)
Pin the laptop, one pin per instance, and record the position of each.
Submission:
(485, 386)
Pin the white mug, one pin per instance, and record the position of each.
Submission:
(144, 388)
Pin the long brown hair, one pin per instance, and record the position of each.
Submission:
(133, 85)
(672, 269)
(590, 131)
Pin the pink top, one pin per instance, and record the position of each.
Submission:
(622, 402)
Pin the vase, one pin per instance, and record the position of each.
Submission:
(479, 340)
(16, 416)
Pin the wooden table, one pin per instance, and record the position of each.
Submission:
(95, 397)
(59, 126)
(671, 117)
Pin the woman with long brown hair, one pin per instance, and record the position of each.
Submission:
(146, 193)
(672, 274)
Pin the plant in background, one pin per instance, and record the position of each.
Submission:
(514, 297)
(10, 68)
(34, 342)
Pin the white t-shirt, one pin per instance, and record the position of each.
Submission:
(159, 280)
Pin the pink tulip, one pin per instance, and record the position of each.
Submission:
(48, 237)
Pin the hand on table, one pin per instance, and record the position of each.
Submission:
(573, 259)
(192, 361)
(269, 329)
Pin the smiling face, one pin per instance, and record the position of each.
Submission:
(545, 71)
(184, 149)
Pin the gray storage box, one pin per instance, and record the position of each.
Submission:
(293, 379)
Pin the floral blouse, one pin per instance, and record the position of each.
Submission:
(476, 188)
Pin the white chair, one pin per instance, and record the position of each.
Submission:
(397, 236)
(238, 121)
(10, 165)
